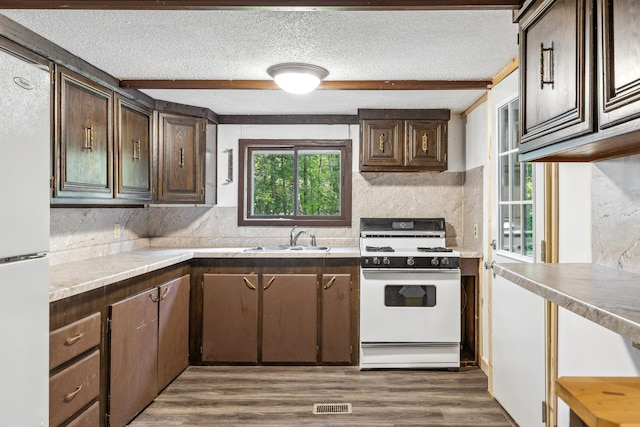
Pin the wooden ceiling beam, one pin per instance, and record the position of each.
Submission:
(261, 4)
(326, 85)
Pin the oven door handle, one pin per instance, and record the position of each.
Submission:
(403, 344)
(412, 270)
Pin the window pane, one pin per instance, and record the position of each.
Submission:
(528, 230)
(319, 180)
(516, 184)
(505, 242)
(273, 191)
(516, 229)
(504, 178)
(528, 181)
(503, 135)
(515, 124)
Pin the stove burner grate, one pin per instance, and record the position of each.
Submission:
(435, 250)
(379, 249)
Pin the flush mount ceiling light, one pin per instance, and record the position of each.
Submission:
(294, 77)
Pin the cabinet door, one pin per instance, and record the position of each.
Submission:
(380, 144)
(556, 72)
(84, 145)
(181, 159)
(173, 330)
(336, 317)
(620, 61)
(289, 318)
(230, 318)
(133, 148)
(134, 362)
(425, 144)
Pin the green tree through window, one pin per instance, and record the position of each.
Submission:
(290, 182)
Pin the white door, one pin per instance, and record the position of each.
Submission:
(517, 335)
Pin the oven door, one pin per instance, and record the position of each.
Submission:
(409, 306)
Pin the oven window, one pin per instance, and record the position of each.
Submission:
(410, 296)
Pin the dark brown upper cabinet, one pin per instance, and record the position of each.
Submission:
(133, 132)
(83, 147)
(619, 67)
(403, 140)
(181, 159)
(580, 80)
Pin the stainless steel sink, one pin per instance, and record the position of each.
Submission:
(288, 248)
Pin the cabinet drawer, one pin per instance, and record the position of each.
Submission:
(73, 388)
(74, 339)
(90, 417)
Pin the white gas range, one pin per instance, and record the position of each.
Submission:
(409, 295)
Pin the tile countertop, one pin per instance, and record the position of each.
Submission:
(604, 295)
(73, 278)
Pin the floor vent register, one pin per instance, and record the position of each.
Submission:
(331, 408)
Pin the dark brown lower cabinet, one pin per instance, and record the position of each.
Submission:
(230, 316)
(336, 318)
(133, 379)
(289, 318)
(173, 330)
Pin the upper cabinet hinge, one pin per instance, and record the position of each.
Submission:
(52, 182)
(544, 411)
(202, 126)
(108, 325)
(53, 77)
(543, 251)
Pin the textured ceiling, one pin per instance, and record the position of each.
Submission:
(241, 45)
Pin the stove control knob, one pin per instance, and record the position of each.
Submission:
(434, 261)
(376, 260)
(410, 261)
(386, 261)
(445, 261)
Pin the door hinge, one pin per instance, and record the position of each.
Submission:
(106, 417)
(108, 325)
(543, 251)
(201, 351)
(544, 411)
(52, 182)
(53, 77)
(202, 284)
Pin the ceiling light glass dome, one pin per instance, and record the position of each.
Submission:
(297, 78)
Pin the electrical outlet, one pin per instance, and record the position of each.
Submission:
(475, 231)
(116, 231)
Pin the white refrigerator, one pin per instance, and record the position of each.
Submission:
(24, 241)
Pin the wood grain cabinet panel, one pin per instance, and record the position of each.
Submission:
(619, 65)
(181, 159)
(425, 144)
(381, 143)
(556, 42)
(72, 340)
(134, 155)
(73, 388)
(289, 318)
(90, 417)
(173, 330)
(230, 318)
(336, 318)
(133, 369)
(84, 143)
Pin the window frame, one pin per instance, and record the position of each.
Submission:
(247, 146)
(511, 152)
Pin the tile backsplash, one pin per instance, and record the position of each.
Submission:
(79, 233)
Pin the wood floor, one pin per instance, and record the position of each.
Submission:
(284, 396)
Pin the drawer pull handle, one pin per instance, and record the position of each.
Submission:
(72, 340)
(249, 284)
(425, 140)
(270, 283)
(546, 75)
(166, 292)
(154, 297)
(69, 396)
(330, 283)
(88, 138)
(381, 142)
(136, 150)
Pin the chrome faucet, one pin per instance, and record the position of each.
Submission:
(294, 235)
